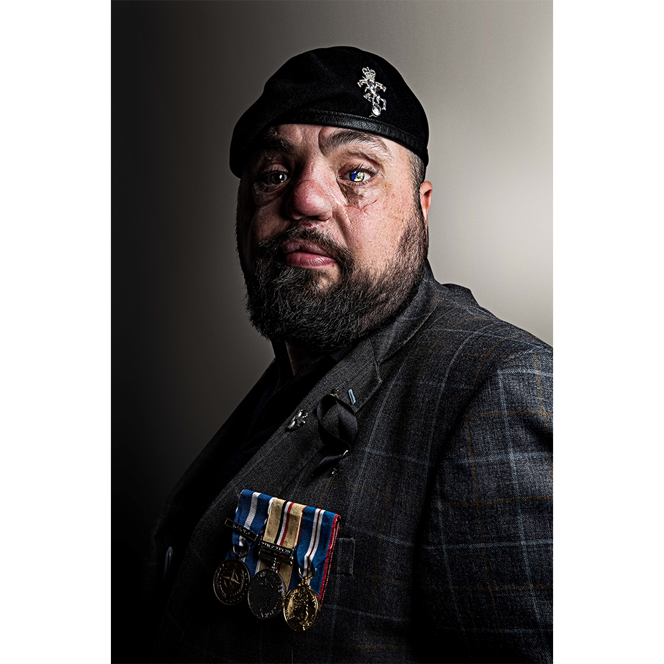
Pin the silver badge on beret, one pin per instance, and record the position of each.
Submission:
(371, 86)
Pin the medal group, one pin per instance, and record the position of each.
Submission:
(279, 559)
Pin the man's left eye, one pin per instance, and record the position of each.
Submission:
(359, 175)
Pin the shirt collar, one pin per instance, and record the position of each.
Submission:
(322, 362)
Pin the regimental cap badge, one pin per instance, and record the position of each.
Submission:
(339, 86)
(371, 87)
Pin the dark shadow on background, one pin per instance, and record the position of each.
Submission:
(177, 299)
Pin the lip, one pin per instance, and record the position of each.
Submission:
(304, 254)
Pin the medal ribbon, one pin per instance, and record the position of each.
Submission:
(283, 528)
(316, 546)
(251, 512)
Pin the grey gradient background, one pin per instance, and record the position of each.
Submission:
(184, 354)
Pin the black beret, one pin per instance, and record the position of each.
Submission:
(340, 86)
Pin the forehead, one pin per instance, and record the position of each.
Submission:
(299, 138)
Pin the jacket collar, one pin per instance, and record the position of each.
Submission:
(355, 378)
(391, 338)
(290, 451)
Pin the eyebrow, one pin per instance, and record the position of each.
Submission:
(351, 136)
(271, 142)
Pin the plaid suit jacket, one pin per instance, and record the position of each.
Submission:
(444, 549)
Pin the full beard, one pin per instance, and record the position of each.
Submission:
(290, 304)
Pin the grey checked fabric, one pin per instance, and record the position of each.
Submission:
(444, 550)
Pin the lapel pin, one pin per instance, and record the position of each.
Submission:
(299, 420)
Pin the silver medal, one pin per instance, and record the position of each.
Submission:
(266, 594)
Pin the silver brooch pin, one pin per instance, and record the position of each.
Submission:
(298, 420)
(371, 87)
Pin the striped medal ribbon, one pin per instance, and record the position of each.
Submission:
(267, 588)
(314, 554)
(231, 579)
(252, 512)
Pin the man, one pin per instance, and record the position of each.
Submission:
(395, 402)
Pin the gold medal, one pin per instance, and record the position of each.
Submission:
(301, 608)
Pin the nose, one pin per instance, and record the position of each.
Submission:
(309, 202)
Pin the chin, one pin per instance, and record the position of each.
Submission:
(326, 278)
(321, 277)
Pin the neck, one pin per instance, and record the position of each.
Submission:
(298, 356)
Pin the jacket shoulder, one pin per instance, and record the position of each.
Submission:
(463, 357)
(458, 321)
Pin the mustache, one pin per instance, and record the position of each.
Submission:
(270, 249)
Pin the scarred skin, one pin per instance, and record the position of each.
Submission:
(355, 188)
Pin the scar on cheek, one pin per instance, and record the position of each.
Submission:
(360, 203)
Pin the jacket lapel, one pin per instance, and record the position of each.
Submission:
(282, 459)
(288, 451)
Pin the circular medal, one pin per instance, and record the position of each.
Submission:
(230, 582)
(301, 608)
(266, 594)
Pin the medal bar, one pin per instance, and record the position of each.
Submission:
(241, 530)
(273, 536)
(231, 579)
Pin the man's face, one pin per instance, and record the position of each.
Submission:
(329, 212)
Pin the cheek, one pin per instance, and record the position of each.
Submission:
(363, 212)
(252, 230)
(265, 223)
(357, 198)
(375, 231)
(244, 248)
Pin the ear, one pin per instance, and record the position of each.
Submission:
(425, 199)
